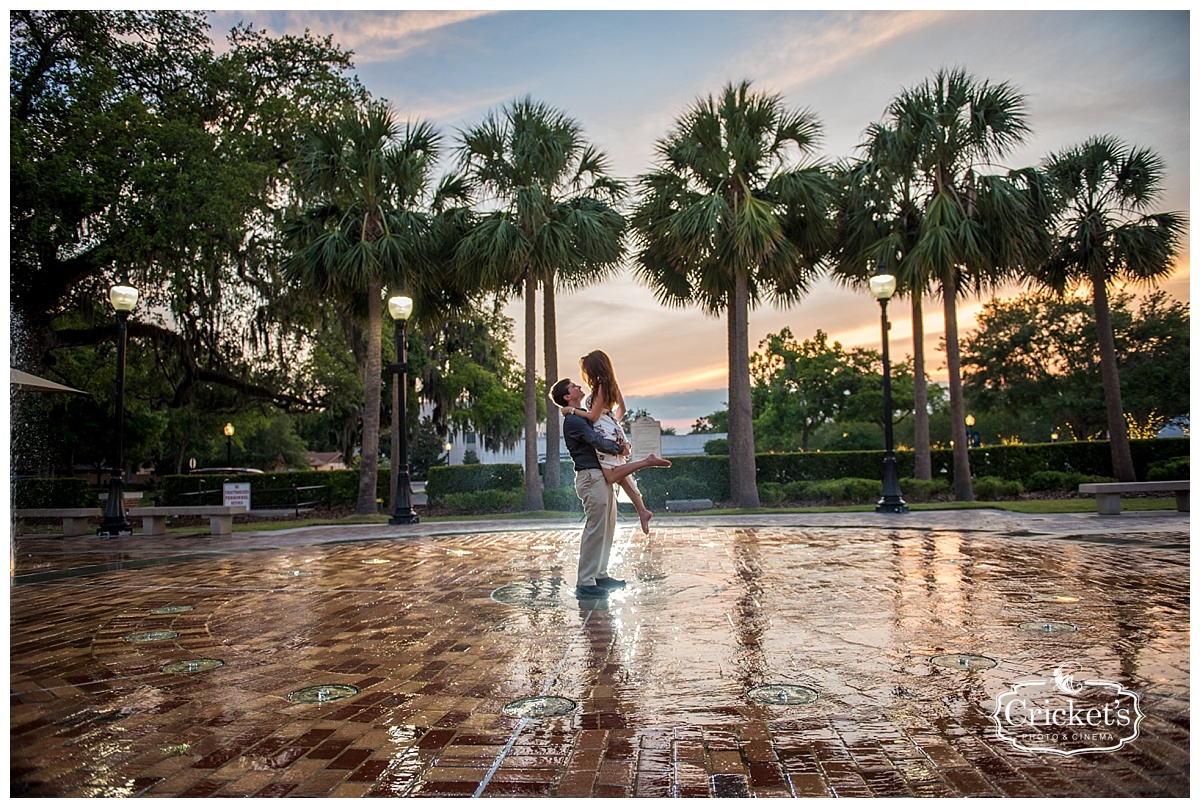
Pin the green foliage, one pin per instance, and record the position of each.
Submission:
(801, 386)
(1177, 468)
(562, 499)
(446, 480)
(687, 478)
(718, 446)
(1062, 480)
(922, 490)
(470, 458)
(713, 422)
(993, 488)
(1036, 355)
(771, 494)
(426, 450)
(57, 492)
(492, 500)
(848, 436)
(139, 151)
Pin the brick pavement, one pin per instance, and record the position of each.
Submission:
(439, 630)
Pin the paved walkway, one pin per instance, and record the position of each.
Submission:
(769, 656)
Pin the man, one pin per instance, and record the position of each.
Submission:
(597, 494)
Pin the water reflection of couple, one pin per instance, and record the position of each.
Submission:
(594, 437)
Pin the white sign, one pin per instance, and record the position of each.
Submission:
(236, 494)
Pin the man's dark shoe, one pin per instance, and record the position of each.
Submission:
(610, 583)
(590, 592)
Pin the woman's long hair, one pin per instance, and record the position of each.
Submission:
(598, 372)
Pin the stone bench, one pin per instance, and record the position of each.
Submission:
(1108, 495)
(683, 505)
(220, 517)
(75, 520)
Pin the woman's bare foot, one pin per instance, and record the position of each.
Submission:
(655, 460)
(645, 517)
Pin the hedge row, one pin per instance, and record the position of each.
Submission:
(446, 480)
(205, 489)
(65, 492)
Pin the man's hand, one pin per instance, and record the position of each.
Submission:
(625, 449)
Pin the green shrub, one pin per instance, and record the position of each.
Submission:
(798, 490)
(717, 446)
(687, 488)
(1049, 480)
(993, 488)
(53, 492)
(771, 494)
(446, 480)
(492, 500)
(847, 489)
(915, 490)
(562, 499)
(1177, 468)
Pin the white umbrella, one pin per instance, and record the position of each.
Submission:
(27, 381)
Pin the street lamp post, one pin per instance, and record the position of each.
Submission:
(448, 447)
(883, 287)
(113, 523)
(400, 308)
(973, 438)
(228, 446)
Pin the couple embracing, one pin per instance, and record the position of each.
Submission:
(593, 434)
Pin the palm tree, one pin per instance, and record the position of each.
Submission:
(960, 230)
(550, 217)
(364, 180)
(729, 217)
(1102, 235)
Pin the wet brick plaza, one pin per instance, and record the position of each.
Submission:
(769, 656)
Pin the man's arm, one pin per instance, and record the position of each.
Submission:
(581, 429)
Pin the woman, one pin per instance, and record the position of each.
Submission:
(605, 409)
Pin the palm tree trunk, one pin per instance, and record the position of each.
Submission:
(553, 416)
(923, 465)
(533, 483)
(368, 467)
(743, 483)
(963, 491)
(1118, 436)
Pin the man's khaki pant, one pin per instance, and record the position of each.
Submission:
(599, 526)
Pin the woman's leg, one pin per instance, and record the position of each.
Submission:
(620, 475)
(615, 474)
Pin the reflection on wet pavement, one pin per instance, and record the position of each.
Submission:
(765, 661)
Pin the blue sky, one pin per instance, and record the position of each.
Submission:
(625, 76)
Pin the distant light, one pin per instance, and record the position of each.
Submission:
(883, 286)
(400, 307)
(123, 298)
(229, 430)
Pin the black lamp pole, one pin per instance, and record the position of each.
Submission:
(228, 446)
(400, 307)
(113, 522)
(883, 286)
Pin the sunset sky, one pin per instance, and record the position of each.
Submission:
(626, 76)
